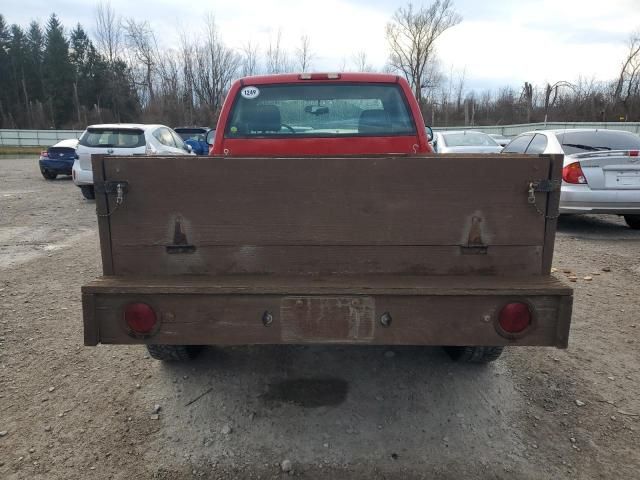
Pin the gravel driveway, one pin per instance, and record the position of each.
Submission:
(74, 412)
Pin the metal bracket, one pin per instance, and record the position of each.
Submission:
(546, 185)
(110, 187)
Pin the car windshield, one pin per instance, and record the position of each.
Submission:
(192, 134)
(597, 140)
(113, 138)
(320, 110)
(468, 139)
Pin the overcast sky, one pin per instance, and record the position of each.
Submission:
(499, 42)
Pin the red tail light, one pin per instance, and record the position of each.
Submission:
(634, 153)
(573, 173)
(140, 317)
(44, 153)
(515, 317)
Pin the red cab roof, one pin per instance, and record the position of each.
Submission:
(295, 78)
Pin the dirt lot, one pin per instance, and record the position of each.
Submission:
(74, 412)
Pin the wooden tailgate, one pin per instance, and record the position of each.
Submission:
(439, 215)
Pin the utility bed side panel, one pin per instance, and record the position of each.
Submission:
(441, 215)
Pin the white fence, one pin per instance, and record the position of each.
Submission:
(35, 138)
(512, 130)
(45, 138)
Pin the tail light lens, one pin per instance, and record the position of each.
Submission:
(515, 317)
(140, 317)
(573, 173)
(634, 153)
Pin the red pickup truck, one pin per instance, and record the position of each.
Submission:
(323, 217)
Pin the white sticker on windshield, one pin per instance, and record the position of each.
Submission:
(250, 92)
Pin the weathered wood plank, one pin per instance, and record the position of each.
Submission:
(102, 210)
(553, 204)
(341, 260)
(339, 284)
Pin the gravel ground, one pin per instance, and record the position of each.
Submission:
(74, 412)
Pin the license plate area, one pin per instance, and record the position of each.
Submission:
(623, 178)
(319, 319)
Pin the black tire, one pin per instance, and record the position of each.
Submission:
(88, 192)
(633, 221)
(173, 353)
(48, 174)
(474, 354)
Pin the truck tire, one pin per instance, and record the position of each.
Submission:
(173, 353)
(474, 354)
(633, 221)
(88, 192)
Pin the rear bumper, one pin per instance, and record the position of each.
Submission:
(581, 199)
(57, 166)
(327, 310)
(80, 176)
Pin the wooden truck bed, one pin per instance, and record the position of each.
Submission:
(318, 250)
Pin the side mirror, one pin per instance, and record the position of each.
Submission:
(189, 148)
(429, 132)
(210, 137)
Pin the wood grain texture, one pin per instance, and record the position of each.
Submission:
(417, 320)
(102, 209)
(240, 213)
(553, 206)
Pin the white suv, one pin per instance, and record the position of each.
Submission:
(122, 139)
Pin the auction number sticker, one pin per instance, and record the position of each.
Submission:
(250, 92)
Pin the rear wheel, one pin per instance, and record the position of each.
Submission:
(88, 192)
(633, 221)
(474, 354)
(173, 353)
(48, 174)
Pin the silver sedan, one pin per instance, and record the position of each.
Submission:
(464, 141)
(601, 170)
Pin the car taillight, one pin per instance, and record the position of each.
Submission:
(514, 317)
(44, 153)
(573, 173)
(634, 153)
(140, 317)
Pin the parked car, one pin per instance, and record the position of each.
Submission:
(58, 159)
(464, 141)
(601, 171)
(122, 139)
(500, 139)
(196, 137)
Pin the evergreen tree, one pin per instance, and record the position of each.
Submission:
(5, 74)
(17, 53)
(33, 67)
(57, 73)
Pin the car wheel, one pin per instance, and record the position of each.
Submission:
(633, 221)
(173, 353)
(474, 354)
(88, 192)
(48, 174)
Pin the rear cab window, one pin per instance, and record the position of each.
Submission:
(112, 138)
(320, 110)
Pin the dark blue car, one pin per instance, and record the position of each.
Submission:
(58, 160)
(196, 137)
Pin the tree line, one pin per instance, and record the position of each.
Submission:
(53, 77)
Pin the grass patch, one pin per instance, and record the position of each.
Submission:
(5, 150)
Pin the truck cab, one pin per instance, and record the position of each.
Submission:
(320, 114)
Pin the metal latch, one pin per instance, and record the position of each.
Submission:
(542, 186)
(119, 188)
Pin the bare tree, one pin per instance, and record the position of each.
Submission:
(360, 62)
(277, 59)
(109, 31)
(628, 83)
(551, 95)
(526, 97)
(412, 34)
(142, 45)
(250, 54)
(304, 56)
